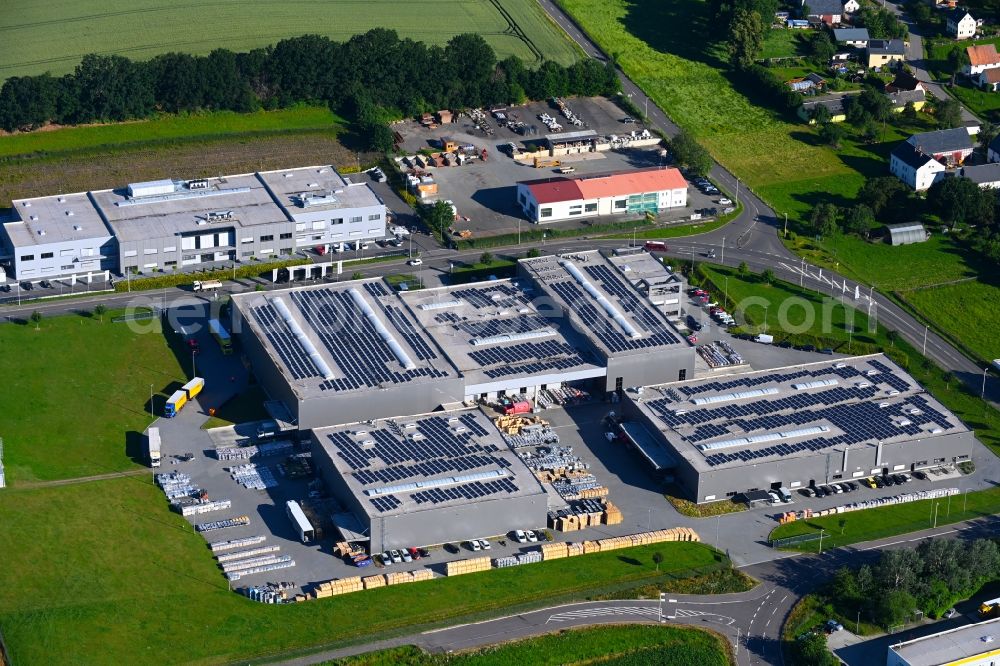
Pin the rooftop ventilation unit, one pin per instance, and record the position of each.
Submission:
(311, 199)
(77, 227)
(436, 483)
(69, 213)
(200, 184)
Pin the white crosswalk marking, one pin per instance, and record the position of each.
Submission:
(601, 612)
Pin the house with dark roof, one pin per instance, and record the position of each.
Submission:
(856, 37)
(914, 167)
(882, 52)
(960, 24)
(830, 12)
(993, 150)
(904, 81)
(833, 103)
(900, 99)
(950, 146)
(983, 175)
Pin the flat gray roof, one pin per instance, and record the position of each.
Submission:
(409, 464)
(571, 136)
(345, 337)
(160, 216)
(949, 647)
(794, 412)
(599, 297)
(55, 219)
(314, 188)
(493, 333)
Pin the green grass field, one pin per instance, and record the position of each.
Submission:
(76, 395)
(952, 307)
(54, 37)
(663, 646)
(783, 44)
(106, 568)
(190, 127)
(866, 525)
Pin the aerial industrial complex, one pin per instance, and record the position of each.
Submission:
(608, 323)
(183, 225)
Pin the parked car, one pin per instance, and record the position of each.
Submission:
(386, 558)
(416, 261)
(520, 537)
(45, 284)
(870, 482)
(474, 546)
(888, 480)
(853, 486)
(725, 201)
(628, 120)
(396, 556)
(833, 626)
(424, 552)
(899, 479)
(827, 351)
(451, 548)
(920, 475)
(879, 482)
(405, 554)
(532, 536)
(807, 492)
(484, 544)
(694, 323)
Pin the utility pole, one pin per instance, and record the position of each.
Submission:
(151, 402)
(725, 295)
(786, 225)
(821, 541)
(982, 395)
(723, 260)
(737, 191)
(936, 505)
(924, 351)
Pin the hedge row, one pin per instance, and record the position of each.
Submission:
(176, 279)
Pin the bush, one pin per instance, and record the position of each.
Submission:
(177, 279)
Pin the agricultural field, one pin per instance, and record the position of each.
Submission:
(662, 46)
(54, 37)
(783, 43)
(76, 395)
(168, 128)
(938, 260)
(91, 157)
(145, 590)
(620, 646)
(951, 307)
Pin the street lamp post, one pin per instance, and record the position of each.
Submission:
(737, 191)
(936, 505)
(821, 541)
(982, 395)
(924, 351)
(151, 402)
(965, 501)
(194, 370)
(765, 320)
(723, 260)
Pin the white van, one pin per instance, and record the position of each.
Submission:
(763, 338)
(786, 494)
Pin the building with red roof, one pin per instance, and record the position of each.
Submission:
(633, 192)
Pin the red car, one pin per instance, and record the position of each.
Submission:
(194, 345)
(414, 553)
(693, 339)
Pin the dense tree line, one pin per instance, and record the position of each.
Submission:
(367, 77)
(930, 578)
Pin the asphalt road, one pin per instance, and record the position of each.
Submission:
(752, 621)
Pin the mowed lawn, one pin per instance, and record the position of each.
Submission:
(662, 45)
(868, 524)
(188, 127)
(630, 644)
(968, 311)
(42, 37)
(75, 395)
(105, 570)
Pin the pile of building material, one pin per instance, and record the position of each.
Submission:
(243, 554)
(529, 557)
(579, 486)
(235, 571)
(557, 459)
(238, 521)
(584, 513)
(254, 450)
(554, 551)
(219, 546)
(332, 588)
(253, 476)
(272, 593)
(175, 484)
(523, 431)
(193, 507)
(459, 567)
(567, 112)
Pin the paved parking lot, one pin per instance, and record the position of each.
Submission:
(485, 192)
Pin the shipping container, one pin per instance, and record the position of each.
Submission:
(193, 387)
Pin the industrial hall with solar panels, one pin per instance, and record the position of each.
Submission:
(385, 380)
(797, 426)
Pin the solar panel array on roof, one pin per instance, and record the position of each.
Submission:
(625, 294)
(502, 326)
(288, 347)
(362, 355)
(851, 409)
(607, 331)
(436, 448)
(502, 294)
(527, 357)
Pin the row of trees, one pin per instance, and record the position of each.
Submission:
(930, 578)
(371, 71)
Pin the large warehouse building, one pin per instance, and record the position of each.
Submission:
(795, 427)
(628, 192)
(193, 224)
(426, 480)
(337, 353)
(968, 645)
